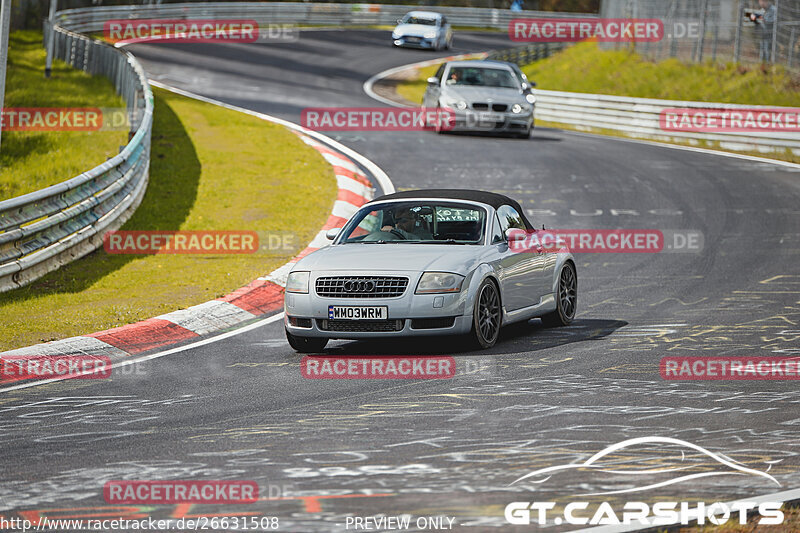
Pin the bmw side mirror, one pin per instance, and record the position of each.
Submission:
(433, 80)
(532, 83)
(332, 233)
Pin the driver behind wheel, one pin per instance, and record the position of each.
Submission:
(405, 221)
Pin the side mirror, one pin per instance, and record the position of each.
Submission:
(433, 80)
(532, 83)
(399, 21)
(332, 233)
(515, 234)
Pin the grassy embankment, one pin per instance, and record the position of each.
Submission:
(212, 169)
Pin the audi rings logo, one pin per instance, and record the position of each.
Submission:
(359, 286)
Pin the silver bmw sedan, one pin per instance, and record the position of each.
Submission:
(491, 96)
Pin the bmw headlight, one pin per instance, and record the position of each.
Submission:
(439, 282)
(457, 104)
(519, 108)
(530, 98)
(430, 35)
(298, 281)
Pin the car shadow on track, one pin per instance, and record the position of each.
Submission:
(494, 135)
(523, 337)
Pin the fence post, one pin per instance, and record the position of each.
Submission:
(737, 47)
(51, 20)
(702, 42)
(775, 33)
(5, 27)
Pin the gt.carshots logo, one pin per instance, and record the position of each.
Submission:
(642, 513)
(692, 462)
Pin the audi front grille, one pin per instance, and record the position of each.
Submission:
(361, 326)
(361, 286)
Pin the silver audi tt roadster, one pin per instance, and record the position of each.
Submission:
(427, 262)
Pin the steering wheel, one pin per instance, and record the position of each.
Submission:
(396, 233)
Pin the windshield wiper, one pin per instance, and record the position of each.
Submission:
(445, 241)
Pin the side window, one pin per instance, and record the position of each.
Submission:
(497, 233)
(509, 218)
(440, 72)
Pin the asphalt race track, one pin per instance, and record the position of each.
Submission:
(328, 449)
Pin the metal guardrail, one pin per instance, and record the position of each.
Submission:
(522, 55)
(91, 19)
(44, 229)
(640, 117)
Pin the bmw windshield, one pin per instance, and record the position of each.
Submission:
(420, 222)
(484, 77)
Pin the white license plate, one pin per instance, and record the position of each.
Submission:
(342, 312)
(490, 117)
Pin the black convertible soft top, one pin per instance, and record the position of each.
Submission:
(490, 198)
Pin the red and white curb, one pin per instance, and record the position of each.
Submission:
(354, 191)
(260, 297)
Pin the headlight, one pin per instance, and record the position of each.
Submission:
(430, 35)
(439, 282)
(458, 104)
(298, 282)
(530, 98)
(396, 35)
(519, 108)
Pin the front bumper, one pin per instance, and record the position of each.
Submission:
(504, 122)
(409, 315)
(414, 42)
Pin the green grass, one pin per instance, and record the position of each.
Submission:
(212, 169)
(33, 160)
(585, 68)
(413, 89)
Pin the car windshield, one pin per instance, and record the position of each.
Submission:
(408, 19)
(419, 222)
(486, 77)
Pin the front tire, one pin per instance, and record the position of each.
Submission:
(486, 315)
(566, 298)
(306, 344)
